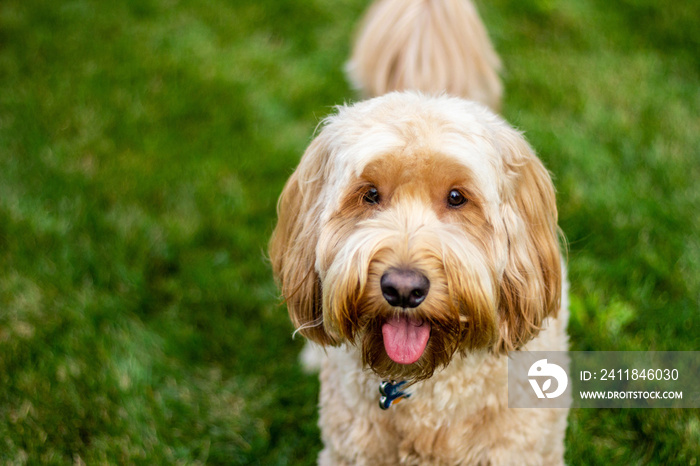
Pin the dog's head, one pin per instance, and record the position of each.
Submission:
(415, 228)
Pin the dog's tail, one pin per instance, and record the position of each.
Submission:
(427, 45)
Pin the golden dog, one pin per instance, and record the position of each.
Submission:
(417, 242)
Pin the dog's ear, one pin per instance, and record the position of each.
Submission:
(531, 286)
(292, 246)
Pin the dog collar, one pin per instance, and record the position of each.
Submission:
(391, 393)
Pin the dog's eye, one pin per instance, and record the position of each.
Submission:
(371, 196)
(456, 198)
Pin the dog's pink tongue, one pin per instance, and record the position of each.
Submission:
(405, 339)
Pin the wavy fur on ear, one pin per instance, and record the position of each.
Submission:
(531, 286)
(292, 246)
(428, 45)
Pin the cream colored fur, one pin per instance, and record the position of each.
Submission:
(497, 280)
(427, 45)
(497, 266)
(459, 416)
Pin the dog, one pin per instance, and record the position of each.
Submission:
(417, 244)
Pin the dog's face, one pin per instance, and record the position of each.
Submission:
(417, 228)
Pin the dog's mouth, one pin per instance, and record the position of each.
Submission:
(405, 338)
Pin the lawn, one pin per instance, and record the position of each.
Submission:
(143, 145)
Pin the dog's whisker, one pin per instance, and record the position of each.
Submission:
(313, 324)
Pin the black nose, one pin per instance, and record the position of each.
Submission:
(404, 288)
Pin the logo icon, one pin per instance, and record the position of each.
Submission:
(543, 369)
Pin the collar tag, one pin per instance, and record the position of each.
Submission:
(391, 393)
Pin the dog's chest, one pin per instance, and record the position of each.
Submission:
(437, 423)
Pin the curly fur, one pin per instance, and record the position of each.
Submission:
(371, 194)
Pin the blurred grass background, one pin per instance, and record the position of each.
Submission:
(143, 145)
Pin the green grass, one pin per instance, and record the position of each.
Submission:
(143, 145)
